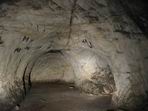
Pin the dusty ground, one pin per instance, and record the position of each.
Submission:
(62, 97)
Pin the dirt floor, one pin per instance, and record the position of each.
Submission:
(61, 97)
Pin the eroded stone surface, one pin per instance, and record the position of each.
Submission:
(90, 35)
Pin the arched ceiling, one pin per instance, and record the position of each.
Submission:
(95, 38)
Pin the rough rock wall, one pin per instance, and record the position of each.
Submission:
(96, 38)
(137, 10)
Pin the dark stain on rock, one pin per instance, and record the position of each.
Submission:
(27, 48)
(54, 51)
(25, 38)
(88, 43)
(17, 50)
(1, 41)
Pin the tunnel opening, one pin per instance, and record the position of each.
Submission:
(53, 84)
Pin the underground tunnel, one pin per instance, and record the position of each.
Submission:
(73, 55)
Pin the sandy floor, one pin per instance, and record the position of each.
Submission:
(62, 97)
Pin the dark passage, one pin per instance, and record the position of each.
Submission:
(62, 97)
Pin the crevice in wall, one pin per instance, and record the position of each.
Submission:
(54, 51)
(23, 80)
(71, 20)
